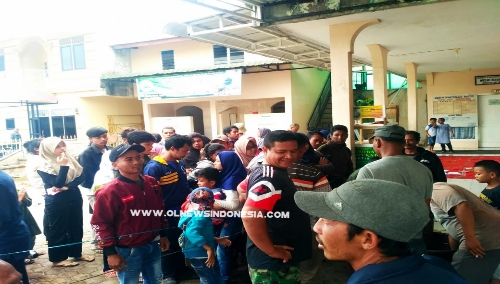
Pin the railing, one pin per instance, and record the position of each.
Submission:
(24, 77)
(319, 109)
(9, 148)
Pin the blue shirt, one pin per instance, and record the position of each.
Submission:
(199, 231)
(173, 181)
(413, 269)
(443, 133)
(14, 234)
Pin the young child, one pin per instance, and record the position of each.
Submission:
(197, 240)
(224, 199)
(488, 171)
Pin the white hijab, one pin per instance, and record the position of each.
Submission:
(105, 173)
(50, 166)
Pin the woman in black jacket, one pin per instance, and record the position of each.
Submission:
(61, 175)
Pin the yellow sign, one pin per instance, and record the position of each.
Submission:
(495, 91)
(371, 111)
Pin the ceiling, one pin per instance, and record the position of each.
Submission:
(440, 37)
(424, 34)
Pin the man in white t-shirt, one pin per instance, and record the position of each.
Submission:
(431, 131)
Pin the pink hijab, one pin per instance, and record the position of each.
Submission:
(240, 148)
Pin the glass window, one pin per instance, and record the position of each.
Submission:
(66, 58)
(2, 62)
(72, 53)
(220, 55)
(167, 59)
(236, 56)
(10, 123)
(79, 53)
(396, 81)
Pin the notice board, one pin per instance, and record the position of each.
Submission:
(458, 110)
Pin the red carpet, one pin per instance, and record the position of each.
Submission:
(463, 166)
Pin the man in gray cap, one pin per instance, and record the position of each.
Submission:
(360, 223)
(388, 143)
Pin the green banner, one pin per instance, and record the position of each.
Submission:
(190, 85)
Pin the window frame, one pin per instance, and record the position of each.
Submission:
(72, 52)
(10, 120)
(168, 59)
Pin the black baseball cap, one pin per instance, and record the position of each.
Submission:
(121, 149)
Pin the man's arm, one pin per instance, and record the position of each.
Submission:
(438, 173)
(255, 226)
(364, 173)
(256, 229)
(103, 222)
(451, 131)
(466, 218)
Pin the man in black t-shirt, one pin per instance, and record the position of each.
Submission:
(275, 245)
(426, 158)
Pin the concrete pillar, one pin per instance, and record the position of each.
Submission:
(411, 76)
(342, 37)
(146, 110)
(379, 65)
(213, 118)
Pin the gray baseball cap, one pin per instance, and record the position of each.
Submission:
(391, 210)
(390, 132)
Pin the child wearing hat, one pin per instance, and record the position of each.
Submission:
(198, 240)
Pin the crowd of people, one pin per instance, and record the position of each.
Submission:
(278, 203)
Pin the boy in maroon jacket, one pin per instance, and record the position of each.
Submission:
(129, 220)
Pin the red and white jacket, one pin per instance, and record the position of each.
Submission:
(128, 214)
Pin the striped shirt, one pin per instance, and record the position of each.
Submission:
(307, 178)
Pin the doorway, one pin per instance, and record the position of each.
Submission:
(489, 121)
(196, 113)
(278, 107)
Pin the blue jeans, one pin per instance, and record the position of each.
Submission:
(231, 227)
(208, 275)
(145, 259)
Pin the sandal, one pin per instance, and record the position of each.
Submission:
(29, 261)
(65, 263)
(97, 250)
(110, 273)
(85, 258)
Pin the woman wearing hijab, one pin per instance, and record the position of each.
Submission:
(61, 175)
(246, 149)
(232, 173)
(261, 134)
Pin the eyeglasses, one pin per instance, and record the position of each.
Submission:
(251, 147)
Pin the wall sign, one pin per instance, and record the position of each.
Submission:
(372, 111)
(488, 80)
(494, 102)
(458, 110)
(190, 85)
(495, 91)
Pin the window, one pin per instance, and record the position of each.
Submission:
(72, 53)
(167, 59)
(236, 56)
(224, 55)
(10, 123)
(220, 55)
(2, 60)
